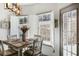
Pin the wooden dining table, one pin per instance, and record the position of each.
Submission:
(17, 45)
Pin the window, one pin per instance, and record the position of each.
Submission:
(23, 20)
(46, 28)
(45, 17)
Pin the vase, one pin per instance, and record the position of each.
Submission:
(24, 29)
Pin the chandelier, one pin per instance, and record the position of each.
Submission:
(14, 7)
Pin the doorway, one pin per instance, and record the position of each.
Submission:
(69, 30)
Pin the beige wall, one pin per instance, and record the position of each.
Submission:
(4, 15)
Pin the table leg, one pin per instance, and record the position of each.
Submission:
(19, 52)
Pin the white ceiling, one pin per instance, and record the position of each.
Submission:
(27, 3)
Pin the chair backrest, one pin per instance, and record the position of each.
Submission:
(38, 36)
(38, 42)
(37, 45)
(12, 37)
(1, 47)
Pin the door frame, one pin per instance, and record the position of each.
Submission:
(63, 10)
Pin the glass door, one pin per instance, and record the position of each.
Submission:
(70, 33)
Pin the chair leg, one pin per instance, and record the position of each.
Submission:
(40, 53)
(22, 54)
(18, 52)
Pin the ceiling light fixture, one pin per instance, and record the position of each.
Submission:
(14, 7)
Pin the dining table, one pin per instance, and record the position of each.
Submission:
(17, 45)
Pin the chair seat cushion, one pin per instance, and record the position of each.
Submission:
(30, 52)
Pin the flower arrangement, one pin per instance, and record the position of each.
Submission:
(24, 28)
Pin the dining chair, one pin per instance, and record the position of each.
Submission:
(12, 37)
(8, 52)
(34, 50)
(38, 36)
